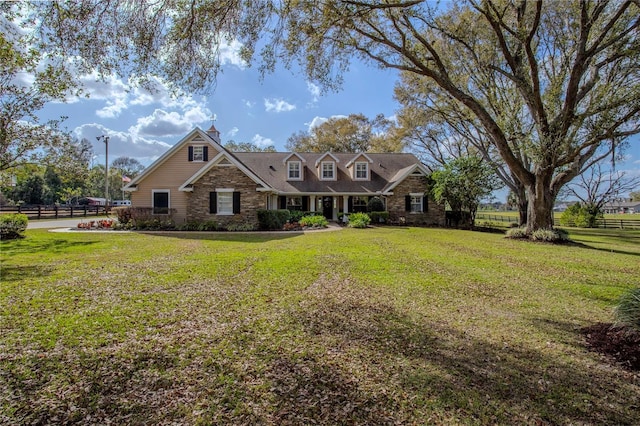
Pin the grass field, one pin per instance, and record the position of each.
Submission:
(376, 326)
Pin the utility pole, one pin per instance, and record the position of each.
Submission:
(105, 139)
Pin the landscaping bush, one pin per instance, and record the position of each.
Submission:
(375, 204)
(273, 219)
(550, 235)
(379, 217)
(296, 215)
(123, 214)
(314, 221)
(209, 225)
(580, 216)
(517, 233)
(627, 312)
(240, 227)
(13, 225)
(359, 220)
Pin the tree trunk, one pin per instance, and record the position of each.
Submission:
(540, 209)
(523, 204)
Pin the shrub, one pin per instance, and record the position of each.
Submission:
(517, 233)
(13, 225)
(580, 216)
(359, 220)
(375, 204)
(273, 219)
(209, 225)
(239, 227)
(122, 213)
(379, 217)
(550, 235)
(314, 221)
(627, 312)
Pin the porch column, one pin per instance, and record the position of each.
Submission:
(345, 204)
(312, 203)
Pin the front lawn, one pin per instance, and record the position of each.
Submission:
(376, 326)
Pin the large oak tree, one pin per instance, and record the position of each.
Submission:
(573, 64)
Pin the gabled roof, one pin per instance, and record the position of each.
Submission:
(187, 185)
(294, 154)
(324, 155)
(353, 160)
(195, 133)
(384, 171)
(402, 174)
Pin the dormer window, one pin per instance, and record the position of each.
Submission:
(362, 170)
(294, 170)
(328, 170)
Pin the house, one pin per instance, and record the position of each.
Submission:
(199, 180)
(622, 207)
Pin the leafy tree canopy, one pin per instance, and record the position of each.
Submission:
(355, 133)
(234, 146)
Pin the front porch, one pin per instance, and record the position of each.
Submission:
(330, 205)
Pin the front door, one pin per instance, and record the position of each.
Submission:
(327, 207)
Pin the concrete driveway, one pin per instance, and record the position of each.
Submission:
(59, 223)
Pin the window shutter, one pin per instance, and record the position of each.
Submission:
(190, 153)
(213, 202)
(305, 204)
(425, 203)
(236, 202)
(282, 202)
(407, 203)
(205, 153)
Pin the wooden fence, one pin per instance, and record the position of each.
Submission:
(601, 223)
(55, 212)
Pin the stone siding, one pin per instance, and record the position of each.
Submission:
(435, 215)
(226, 177)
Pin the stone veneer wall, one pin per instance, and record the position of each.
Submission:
(396, 203)
(225, 177)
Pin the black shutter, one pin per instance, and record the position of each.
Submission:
(425, 203)
(305, 204)
(236, 202)
(213, 202)
(350, 204)
(205, 153)
(407, 203)
(190, 153)
(282, 202)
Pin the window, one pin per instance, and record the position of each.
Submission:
(160, 202)
(198, 153)
(294, 170)
(294, 203)
(359, 204)
(416, 203)
(225, 203)
(328, 170)
(362, 171)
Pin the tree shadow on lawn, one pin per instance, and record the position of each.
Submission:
(34, 245)
(241, 237)
(466, 378)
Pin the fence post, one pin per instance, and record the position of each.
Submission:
(55, 208)
(39, 211)
(71, 211)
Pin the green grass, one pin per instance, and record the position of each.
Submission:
(377, 326)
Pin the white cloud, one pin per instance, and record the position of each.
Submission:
(121, 144)
(277, 105)
(261, 141)
(314, 89)
(162, 123)
(230, 54)
(231, 133)
(317, 121)
(249, 104)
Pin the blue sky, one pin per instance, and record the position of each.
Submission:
(248, 108)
